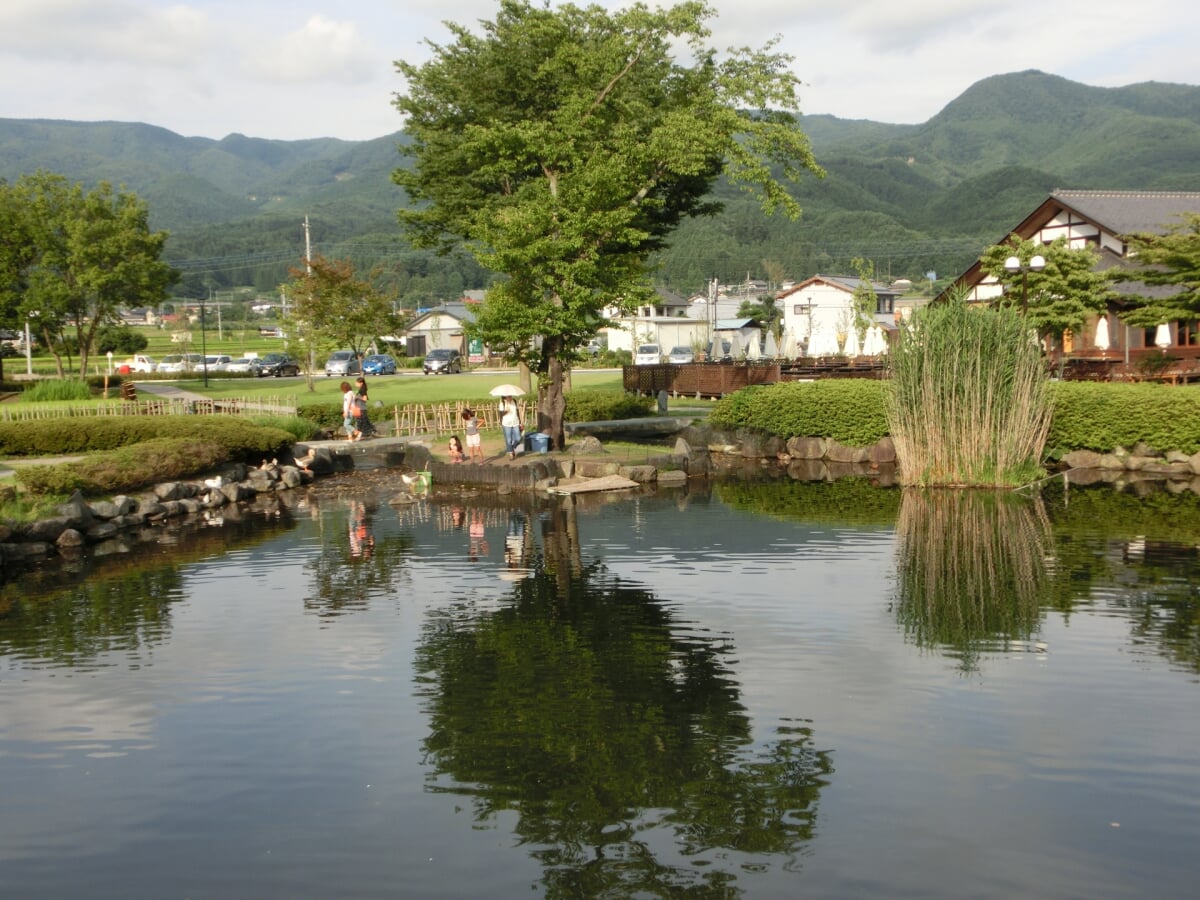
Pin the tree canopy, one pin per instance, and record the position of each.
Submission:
(1171, 259)
(334, 308)
(70, 260)
(561, 147)
(1060, 296)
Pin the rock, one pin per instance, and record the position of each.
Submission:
(102, 531)
(586, 444)
(640, 474)
(47, 530)
(25, 551)
(682, 448)
(593, 468)
(807, 447)
(237, 491)
(1194, 463)
(105, 509)
(1112, 461)
(1082, 459)
(672, 477)
(170, 490)
(840, 453)
(882, 452)
(1141, 448)
(76, 510)
(69, 538)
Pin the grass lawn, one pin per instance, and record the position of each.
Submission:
(392, 390)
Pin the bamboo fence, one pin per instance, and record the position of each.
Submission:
(158, 406)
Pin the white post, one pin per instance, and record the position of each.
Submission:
(28, 351)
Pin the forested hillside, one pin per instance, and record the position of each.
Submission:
(911, 198)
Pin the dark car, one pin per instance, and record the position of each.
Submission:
(277, 364)
(379, 364)
(445, 362)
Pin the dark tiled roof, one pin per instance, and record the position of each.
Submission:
(1131, 212)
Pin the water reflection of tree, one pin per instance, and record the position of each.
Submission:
(345, 576)
(583, 708)
(116, 602)
(972, 568)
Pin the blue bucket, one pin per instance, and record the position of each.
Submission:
(536, 442)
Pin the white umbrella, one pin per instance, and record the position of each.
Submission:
(772, 350)
(851, 348)
(822, 342)
(752, 348)
(506, 390)
(1162, 337)
(1102, 334)
(873, 343)
(789, 344)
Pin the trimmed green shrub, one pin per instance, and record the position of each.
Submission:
(127, 468)
(605, 406)
(850, 411)
(43, 437)
(1101, 417)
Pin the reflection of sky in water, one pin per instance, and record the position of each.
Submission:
(256, 726)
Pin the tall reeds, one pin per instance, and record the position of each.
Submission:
(968, 402)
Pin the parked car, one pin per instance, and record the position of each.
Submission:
(681, 355)
(647, 355)
(277, 364)
(245, 364)
(379, 364)
(446, 362)
(343, 362)
(593, 348)
(180, 362)
(216, 363)
(140, 363)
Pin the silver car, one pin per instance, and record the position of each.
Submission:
(343, 362)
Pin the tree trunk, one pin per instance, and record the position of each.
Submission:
(552, 403)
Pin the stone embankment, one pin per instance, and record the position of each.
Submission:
(1142, 463)
(81, 524)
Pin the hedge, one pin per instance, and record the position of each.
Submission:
(54, 437)
(850, 410)
(126, 468)
(1087, 415)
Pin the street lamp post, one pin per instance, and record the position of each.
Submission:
(203, 347)
(1036, 264)
(29, 345)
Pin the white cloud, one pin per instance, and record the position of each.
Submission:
(322, 50)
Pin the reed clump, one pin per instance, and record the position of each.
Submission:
(968, 403)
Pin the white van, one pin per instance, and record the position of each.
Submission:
(647, 355)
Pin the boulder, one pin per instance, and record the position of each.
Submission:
(69, 538)
(1082, 459)
(672, 477)
(170, 490)
(640, 474)
(102, 531)
(807, 447)
(882, 451)
(840, 453)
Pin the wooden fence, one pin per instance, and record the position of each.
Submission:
(157, 406)
(446, 418)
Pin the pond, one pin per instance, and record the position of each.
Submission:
(745, 690)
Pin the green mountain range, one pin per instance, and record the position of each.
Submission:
(910, 198)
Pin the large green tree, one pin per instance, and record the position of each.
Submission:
(1171, 260)
(1060, 296)
(80, 257)
(561, 147)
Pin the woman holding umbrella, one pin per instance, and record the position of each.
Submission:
(510, 416)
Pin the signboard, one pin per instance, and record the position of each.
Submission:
(475, 350)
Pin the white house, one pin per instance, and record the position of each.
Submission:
(440, 328)
(665, 322)
(822, 307)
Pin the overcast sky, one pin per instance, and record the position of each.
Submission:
(320, 68)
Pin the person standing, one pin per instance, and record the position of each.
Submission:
(349, 420)
(471, 431)
(365, 425)
(510, 423)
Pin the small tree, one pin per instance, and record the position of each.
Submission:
(331, 307)
(1172, 260)
(1058, 298)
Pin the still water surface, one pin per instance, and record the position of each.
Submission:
(771, 690)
